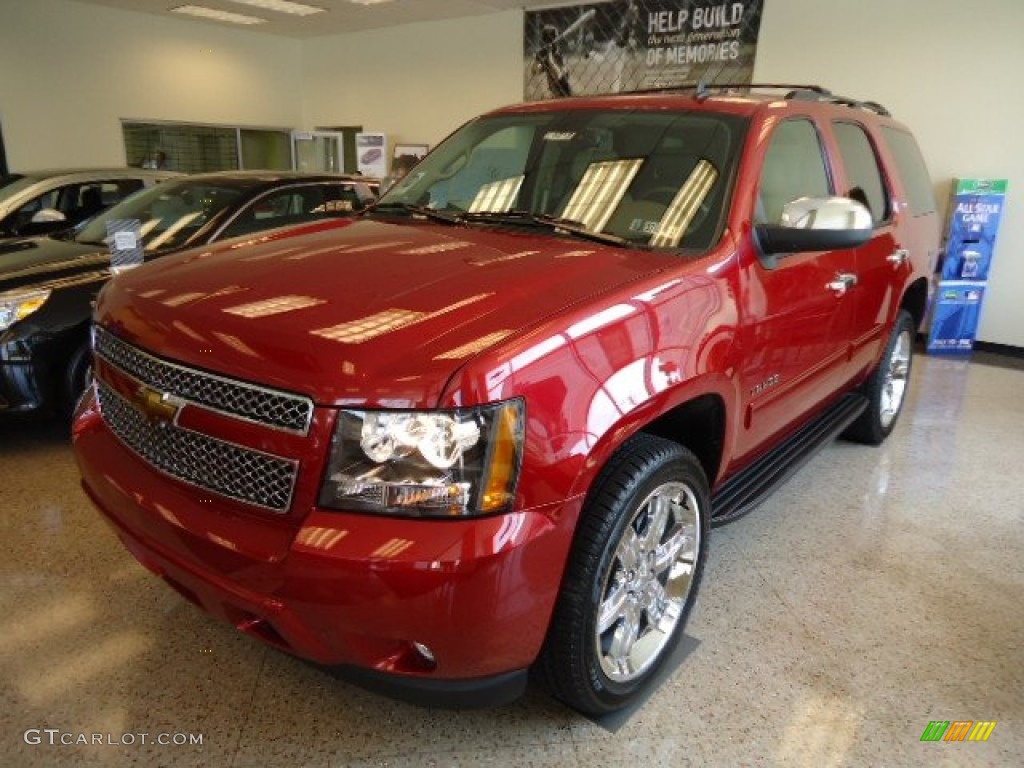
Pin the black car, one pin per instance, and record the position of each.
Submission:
(48, 284)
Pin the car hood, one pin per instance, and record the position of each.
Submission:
(375, 313)
(41, 262)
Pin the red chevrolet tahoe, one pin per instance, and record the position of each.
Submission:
(485, 430)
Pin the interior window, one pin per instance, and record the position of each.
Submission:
(82, 201)
(794, 167)
(653, 178)
(342, 198)
(293, 206)
(116, 191)
(25, 213)
(495, 160)
(170, 213)
(863, 175)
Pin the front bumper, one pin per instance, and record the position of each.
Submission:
(23, 387)
(347, 590)
(32, 368)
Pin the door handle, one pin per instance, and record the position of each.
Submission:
(844, 281)
(898, 257)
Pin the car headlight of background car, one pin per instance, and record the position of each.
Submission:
(437, 463)
(17, 305)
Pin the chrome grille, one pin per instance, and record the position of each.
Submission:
(280, 410)
(228, 469)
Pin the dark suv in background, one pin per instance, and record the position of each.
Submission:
(485, 428)
(48, 284)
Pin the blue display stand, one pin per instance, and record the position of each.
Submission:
(974, 213)
(955, 315)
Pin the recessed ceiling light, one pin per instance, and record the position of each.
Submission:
(211, 13)
(283, 6)
(369, 2)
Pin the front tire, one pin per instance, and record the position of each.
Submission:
(887, 388)
(632, 577)
(76, 379)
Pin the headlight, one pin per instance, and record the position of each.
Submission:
(426, 463)
(17, 305)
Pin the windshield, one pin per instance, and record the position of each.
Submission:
(658, 179)
(169, 213)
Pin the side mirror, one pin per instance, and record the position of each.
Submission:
(48, 216)
(817, 224)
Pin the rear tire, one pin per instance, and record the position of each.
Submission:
(886, 389)
(632, 577)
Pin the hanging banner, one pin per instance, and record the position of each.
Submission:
(630, 45)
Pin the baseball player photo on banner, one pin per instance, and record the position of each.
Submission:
(629, 45)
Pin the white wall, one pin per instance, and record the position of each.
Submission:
(947, 69)
(70, 71)
(941, 66)
(418, 82)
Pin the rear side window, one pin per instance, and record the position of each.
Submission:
(862, 172)
(794, 167)
(912, 170)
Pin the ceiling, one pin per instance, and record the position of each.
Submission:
(341, 15)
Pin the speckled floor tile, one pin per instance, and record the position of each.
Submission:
(299, 704)
(561, 755)
(879, 589)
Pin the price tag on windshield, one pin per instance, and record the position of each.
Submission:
(125, 239)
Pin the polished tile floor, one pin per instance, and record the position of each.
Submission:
(878, 590)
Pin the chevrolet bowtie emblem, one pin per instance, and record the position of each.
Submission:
(157, 407)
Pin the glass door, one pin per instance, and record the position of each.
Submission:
(317, 151)
(265, 149)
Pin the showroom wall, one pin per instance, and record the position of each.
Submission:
(69, 72)
(417, 82)
(941, 66)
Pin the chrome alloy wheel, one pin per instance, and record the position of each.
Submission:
(648, 582)
(894, 387)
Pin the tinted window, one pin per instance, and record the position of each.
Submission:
(296, 205)
(24, 214)
(794, 167)
(169, 213)
(913, 171)
(862, 172)
(655, 178)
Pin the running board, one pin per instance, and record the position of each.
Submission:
(744, 491)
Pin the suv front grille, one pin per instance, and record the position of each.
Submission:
(228, 469)
(280, 410)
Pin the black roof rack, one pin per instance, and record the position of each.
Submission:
(796, 92)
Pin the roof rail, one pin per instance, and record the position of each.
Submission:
(796, 92)
(704, 89)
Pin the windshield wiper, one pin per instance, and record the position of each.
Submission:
(419, 210)
(553, 223)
